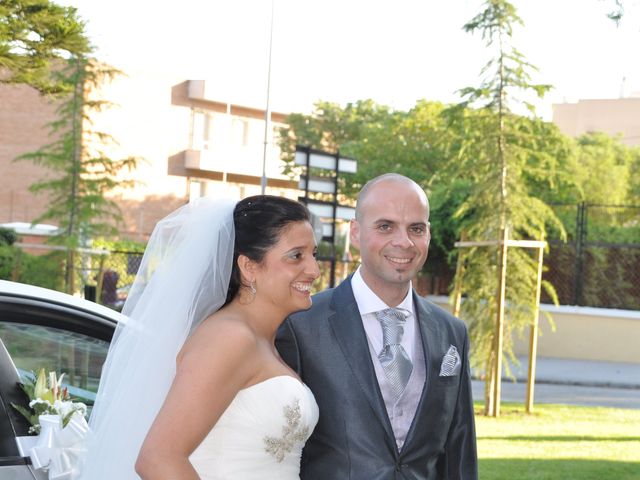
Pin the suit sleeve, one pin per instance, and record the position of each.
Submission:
(461, 455)
(287, 345)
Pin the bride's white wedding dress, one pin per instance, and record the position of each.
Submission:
(182, 280)
(261, 434)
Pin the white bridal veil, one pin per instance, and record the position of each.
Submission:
(183, 278)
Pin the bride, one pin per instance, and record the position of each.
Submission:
(193, 386)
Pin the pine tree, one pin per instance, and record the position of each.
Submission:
(81, 172)
(497, 151)
(36, 36)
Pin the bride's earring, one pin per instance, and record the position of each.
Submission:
(252, 286)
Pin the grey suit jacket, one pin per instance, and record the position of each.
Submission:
(327, 346)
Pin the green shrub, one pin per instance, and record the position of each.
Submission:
(43, 270)
(40, 270)
(7, 236)
(7, 261)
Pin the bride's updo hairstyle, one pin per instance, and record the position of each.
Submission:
(259, 221)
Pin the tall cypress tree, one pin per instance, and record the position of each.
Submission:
(81, 171)
(497, 150)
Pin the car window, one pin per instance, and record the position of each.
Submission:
(78, 356)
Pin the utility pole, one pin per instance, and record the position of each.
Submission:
(267, 111)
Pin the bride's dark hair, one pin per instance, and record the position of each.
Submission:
(259, 222)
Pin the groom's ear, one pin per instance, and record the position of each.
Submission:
(354, 233)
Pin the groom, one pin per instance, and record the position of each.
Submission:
(389, 369)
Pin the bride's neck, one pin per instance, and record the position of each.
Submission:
(264, 319)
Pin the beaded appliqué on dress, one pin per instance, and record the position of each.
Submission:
(292, 433)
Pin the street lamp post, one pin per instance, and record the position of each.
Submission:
(267, 111)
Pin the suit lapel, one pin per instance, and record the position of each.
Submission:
(346, 322)
(430, 336)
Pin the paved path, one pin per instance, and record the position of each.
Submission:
(574, 382)
(582, 372)
(565, 394)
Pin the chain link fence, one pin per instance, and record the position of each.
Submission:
(118, 273)
(599, 265)
(101, 276)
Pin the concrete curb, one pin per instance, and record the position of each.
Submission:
(585, 373)
(577, 383)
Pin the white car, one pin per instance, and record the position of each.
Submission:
(41, 328)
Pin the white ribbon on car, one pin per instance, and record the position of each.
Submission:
(59, 450)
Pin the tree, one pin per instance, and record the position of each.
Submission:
(381, 139)
(498, 150)
(602, 169)
(35, 36)
(618, 11)
(331, 127)
(44, 45)
(82, 172)
(426, 143)
(634, 177)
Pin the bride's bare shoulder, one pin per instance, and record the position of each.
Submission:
(222, 351)
(224, 330)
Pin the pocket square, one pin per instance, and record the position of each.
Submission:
(450, 363)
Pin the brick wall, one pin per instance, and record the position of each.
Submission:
(144, 122)
(24, 115)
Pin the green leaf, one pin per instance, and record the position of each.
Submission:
(31, 418)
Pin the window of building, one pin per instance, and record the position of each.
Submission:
(201, 130)
(240, 131)
(197, 189)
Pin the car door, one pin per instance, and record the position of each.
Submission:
(40, 332)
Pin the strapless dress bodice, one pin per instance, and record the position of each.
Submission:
(261, 434)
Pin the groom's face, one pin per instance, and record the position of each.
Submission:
(392, 233)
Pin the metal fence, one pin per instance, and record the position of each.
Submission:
(599, 264)
(99, 275)
(118, 273)
(120, 268)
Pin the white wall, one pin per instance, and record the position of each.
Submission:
(581, 333)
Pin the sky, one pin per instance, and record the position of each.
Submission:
(394, 52)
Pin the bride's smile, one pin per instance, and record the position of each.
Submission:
(284, 278)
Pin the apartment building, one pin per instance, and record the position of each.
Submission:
(620, 116)
(226, 146)
(189, 141)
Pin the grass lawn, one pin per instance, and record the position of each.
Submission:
(559, 442)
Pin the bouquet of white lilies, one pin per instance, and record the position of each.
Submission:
(59, 422)
(51, 399)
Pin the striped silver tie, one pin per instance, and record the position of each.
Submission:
(395, 362)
